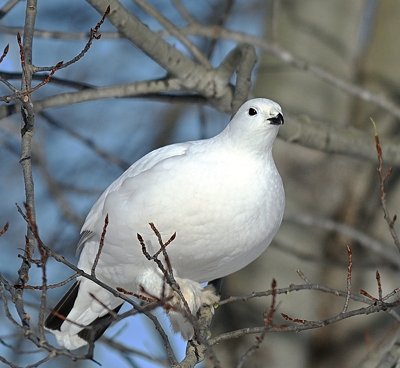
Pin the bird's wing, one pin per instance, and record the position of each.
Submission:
(143, 164)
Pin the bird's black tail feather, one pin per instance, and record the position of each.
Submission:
(94, 331)
(90, 333)
(63, 307)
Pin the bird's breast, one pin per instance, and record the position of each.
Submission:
(224, 213)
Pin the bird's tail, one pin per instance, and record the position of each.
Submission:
(74, 331)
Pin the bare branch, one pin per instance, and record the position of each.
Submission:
(145, 310)
(302, 276)
(268, 317)
(88, 142)
(5, 361)
(349, 269)
(182, 10)
(304, 324)
(382, 178)
(197, 349)
(47, 34)
(379, 248)
(5, 228)
(222, 20)
(173, 30)
(241, 59)
(192, 76)
(23, 95)
(5, 52)
(124, 350)
(51, 286)
(22, 56)
(288, 58)
(93, 36)
(101, 244)
(7, 7)
(167, 271)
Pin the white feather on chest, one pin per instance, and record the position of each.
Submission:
(224, 205)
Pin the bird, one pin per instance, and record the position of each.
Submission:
(222, 198)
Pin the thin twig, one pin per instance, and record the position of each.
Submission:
(5, 361)
(58, 35)
(300, 287)
(9, 85)
(268, 319)
(175, 31)
(378, 281)
(348, 288)
(136, 295)
(88, 142)
(390, 255)
(7, 7)
(60, 65)
(93, 36)
(302, 276)
(304, 324)
(182, 10)
(136, 306)
(394, 292)
(369, 296)
(52, 286)
(221, 22)
(101, 245)
(5, 228)
(125, 349)
(23, 94)
(8, 314)
(5, 52)
(22, 57)
(167, 272)
(382, 178)
(301, 64)
(56, 189)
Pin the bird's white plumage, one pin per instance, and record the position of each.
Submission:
(222, 196)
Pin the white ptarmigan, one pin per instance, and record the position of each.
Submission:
(222, 196)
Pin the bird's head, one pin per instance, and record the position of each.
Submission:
(256, 123)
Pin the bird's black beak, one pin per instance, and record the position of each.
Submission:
(277, 120)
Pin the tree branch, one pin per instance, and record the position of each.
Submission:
(27, 131)
(192, 76)
(288, 58)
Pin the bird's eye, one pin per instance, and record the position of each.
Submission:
(252, 111)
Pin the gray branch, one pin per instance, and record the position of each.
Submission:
(330, 138)
(191, 75)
